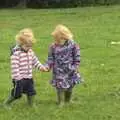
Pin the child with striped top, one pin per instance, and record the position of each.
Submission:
(23, 60)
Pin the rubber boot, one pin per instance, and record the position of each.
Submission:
(60, 96)
(68, 95)
(7, 102)
(30, 100)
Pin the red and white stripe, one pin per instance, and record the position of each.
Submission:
(22, 64)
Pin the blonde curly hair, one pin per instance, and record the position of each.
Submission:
(25, 36)
(62, 32)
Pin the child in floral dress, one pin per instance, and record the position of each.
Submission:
(64, 60)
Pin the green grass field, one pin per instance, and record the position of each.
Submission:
(94, 28)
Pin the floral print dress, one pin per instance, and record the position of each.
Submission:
(64, 61)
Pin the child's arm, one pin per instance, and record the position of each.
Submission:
(15, 65)
(76, 62)
(76, 57)
(37, 64)
(50, 61)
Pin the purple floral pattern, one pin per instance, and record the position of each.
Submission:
(64, 61)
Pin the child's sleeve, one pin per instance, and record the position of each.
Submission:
(50, 61)
(35, 62)
(76, 57)
(15, 65)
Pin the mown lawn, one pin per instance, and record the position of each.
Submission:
(94, 28)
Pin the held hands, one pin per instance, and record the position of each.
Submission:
(44, 69)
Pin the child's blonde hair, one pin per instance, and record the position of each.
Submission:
(62, 32)
(25, 36)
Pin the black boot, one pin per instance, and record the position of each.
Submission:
(30, 100)
(68, 95)
(60, 97)
(9, 100)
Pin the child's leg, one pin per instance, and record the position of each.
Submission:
(60, 96)
(15, 92)
(29, 90)
(9, 100)
(30, 100)
(68, 94)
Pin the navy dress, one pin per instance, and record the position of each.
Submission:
(64, 61)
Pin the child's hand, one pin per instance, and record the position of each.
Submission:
(48, 69)
(44, 69)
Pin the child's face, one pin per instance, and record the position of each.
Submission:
(57, 39)
(26, 47)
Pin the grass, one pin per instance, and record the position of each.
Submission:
(94, 28)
